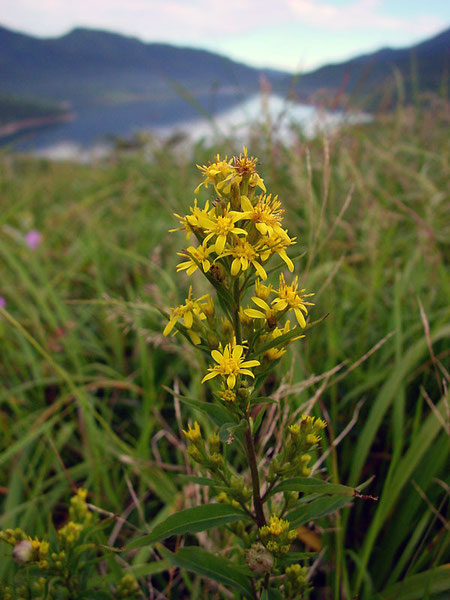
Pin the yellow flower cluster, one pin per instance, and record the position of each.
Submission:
(235, 237)
(276, 536)
(32, 550)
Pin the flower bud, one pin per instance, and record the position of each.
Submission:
(23, 552)
(259, 559)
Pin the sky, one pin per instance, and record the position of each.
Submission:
(293, 35)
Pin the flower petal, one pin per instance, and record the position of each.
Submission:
(209, 376)
(231, 381)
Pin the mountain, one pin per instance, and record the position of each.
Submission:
(88, 67)
(425, 65)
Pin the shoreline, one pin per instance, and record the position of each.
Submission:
(15, 127)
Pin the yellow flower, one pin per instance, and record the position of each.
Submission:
(244, 255)
(193, 434)
(276, 536)
(276, 527)
(244, 167)
(266, 215)
(228, 396)
(230, 364)
(215, 173)
(289, 297)
(190, 222)
(264, 312)
(276, 244)
(261, 290)
(221, 226)
(200, 254)
(276, 353)
(189, 311)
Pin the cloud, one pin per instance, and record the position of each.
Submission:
(193, 20)
(362, 14)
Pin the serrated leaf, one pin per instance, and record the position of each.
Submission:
(211, 566)
(191, 520)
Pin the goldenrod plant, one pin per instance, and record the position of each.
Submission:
(239, 244)
(64, 566)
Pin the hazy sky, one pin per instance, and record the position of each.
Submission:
(288, 34)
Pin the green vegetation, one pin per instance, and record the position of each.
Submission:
(15, 108)
(89, 394)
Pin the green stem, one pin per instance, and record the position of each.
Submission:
(236, 319)
(251, 457)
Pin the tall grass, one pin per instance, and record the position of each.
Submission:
(85, 369)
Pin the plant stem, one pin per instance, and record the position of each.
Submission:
(251, 457)
(237, 321)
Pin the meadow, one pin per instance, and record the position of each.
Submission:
(87, 375)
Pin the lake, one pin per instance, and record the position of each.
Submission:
(91, 134)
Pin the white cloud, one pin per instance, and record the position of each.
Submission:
(363, 14)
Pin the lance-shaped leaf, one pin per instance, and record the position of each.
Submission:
(218, 413)
(317, 486)
(418, 586)
(191, 520)
(286, 337)
(208, 565)
(319, 507)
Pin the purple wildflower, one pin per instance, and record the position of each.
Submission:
(33, 239)
(2, 302)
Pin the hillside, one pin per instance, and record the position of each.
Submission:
(90, 67)
(368, 75)
(87, 66)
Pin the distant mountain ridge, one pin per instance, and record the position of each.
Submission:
(365, 75)
(88, 66)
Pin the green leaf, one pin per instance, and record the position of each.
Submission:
(191, 520)
(208, 565)
(293, 557)
(271, 594)
(312, 485)
(314, 510)
(418, 586)
(228, 429)
(286, 337)
(219, 414)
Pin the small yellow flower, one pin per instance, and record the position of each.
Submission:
(195, 256)
(244, 255)
(276, 244)
(264, 312)
(261, 290)
(221, 226)
(215, 173)
(228, 396)
(230, 364)
(276, 353)
(266, 215)
(244, 167)
(189, 311)
(190, 222)
(289, 297)
(276, 536)
(193, 434)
